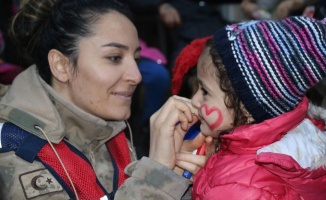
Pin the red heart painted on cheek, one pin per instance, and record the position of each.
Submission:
(219, 119)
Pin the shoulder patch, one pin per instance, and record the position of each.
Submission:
(39, 182)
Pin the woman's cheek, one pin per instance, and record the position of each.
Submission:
(212, 116)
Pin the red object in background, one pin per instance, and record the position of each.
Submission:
(8, 72)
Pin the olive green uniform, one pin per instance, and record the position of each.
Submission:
(29, 101)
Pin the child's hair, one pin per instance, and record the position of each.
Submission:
(189, 83)
(231, 100)
(42, 25)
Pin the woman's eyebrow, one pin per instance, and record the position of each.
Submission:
(118, 45)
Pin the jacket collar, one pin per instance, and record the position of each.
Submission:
(249, 138)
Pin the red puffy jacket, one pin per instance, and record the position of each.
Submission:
(280, 158)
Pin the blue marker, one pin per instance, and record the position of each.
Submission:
(191, 134)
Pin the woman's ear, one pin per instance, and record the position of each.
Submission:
(59, 65)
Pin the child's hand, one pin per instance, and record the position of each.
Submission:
(168, 128)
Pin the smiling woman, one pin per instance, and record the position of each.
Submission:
(66, 114)
(106, 72)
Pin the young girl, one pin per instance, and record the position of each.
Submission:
(252, 82)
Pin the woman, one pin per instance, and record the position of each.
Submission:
(63, 119)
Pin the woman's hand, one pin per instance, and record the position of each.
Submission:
(168, 127)
(186, 160)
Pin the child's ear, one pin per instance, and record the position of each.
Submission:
(59, 65)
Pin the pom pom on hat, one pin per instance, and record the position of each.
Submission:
(187, 59)
(272, 64)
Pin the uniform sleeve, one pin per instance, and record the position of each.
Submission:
(151, 180)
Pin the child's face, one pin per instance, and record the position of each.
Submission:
(215, 117)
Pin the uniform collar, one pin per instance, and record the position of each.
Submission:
(30, 101)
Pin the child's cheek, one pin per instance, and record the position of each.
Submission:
(212, 116)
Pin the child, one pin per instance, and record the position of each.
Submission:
(252, 82)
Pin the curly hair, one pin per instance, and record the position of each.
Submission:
(231, 99)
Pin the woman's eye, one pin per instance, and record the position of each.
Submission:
(137, 60)
(114, 58)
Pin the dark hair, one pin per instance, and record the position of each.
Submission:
(42, 25)
(231, 98)
(189, 84)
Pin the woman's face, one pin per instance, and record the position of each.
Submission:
(106, 74)
(215, 117)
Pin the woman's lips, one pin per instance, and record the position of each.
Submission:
(123, 95)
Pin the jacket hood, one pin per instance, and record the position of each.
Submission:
(299, 158)
(30, 101)
(306, 142)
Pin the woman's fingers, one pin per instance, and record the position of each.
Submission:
(174, 105)
(168, 127)
(188, 102)
(187, 160)
(190, 145)
(190, 162)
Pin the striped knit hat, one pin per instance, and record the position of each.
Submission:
(272, 64)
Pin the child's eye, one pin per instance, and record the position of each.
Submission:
(203, 91)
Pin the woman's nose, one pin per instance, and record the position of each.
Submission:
(134, 74)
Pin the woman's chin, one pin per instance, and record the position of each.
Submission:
(118, 116)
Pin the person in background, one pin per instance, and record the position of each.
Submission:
(8, 71)
(63, 120)
(188, 19)
(274, 9)
(253, 77)
(9, 65)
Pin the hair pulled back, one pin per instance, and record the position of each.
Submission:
(42, 25)
(231, 98)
